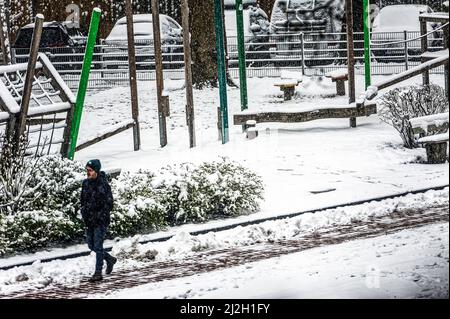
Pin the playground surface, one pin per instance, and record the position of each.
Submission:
(297, 161)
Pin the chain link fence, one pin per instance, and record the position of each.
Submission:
(266, 56)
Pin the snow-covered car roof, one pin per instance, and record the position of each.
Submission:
(399, 18)
(142, 25)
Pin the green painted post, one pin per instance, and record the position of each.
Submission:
(366, 22)
(221, 69)
(241, 51)
(84, 78)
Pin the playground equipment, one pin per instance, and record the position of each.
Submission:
(35, 102)
(223, 118)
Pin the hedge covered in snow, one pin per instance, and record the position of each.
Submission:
(143, 201)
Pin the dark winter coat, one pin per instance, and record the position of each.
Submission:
(96, 201)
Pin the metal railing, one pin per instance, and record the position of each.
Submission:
(313, 54)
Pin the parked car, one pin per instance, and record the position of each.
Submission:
(78, 35)
(390, 26)
(54, 35)
(317, 20)
(65, 52)
(116, 44)
(256, 33)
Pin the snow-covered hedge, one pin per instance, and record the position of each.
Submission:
(60, 181)
(34, 229)
(137, 207)
(211, 190)
(143, 201)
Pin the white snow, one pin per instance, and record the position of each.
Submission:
(434, 54)
(12, 68)
(4, 116)
(50, 108)
(284, 74)
(294, 160)
(106, 131)
(337, 73)
(424, 121)
(436, 138)
(8, 100)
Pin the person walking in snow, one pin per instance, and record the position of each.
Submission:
(96, 206)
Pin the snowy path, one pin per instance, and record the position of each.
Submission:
(214, 260)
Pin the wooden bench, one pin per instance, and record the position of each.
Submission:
(339, 76)
(289, 80)
(250, 119)
(433, 134)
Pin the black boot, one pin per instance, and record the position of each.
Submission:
(96, 277)
(110, 265)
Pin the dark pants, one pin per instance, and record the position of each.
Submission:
(95, 237)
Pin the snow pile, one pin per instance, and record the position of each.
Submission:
(184, 244)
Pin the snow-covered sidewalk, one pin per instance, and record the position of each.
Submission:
(134, 257)
(410, 264)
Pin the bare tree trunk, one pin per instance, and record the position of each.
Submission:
(203, 43)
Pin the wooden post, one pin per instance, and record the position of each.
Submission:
(436, 153)
(133, 80)
(424, 48)
(350, 58)
(28, 84)
(190, 116)
(159, 73)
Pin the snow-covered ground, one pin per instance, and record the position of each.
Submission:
(409, 264)
(293, 159)
(131, 254)
(297, 162)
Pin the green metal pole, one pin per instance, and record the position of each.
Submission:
(221, 68)
(84, 78)
(366, 22)
(241, 52)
